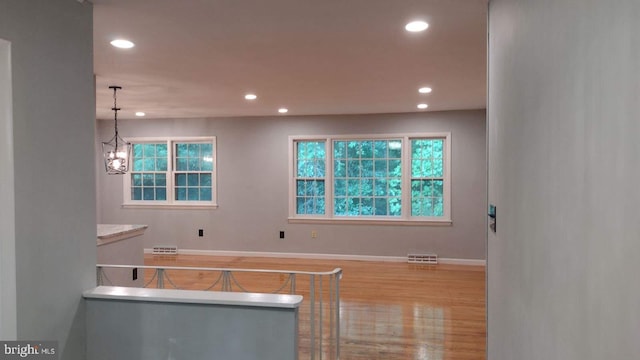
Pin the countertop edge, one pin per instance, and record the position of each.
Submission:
(118, 232)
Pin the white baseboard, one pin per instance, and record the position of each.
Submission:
(468, 262)
(450, 261)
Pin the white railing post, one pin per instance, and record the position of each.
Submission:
(321, 318)
(332, 332)
(292, 276)
(226, 281)
(312, 316)
(98, 275)
(160, 283)
(338, 276)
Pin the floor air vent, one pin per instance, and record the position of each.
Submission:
(422, 258)
(165, 250)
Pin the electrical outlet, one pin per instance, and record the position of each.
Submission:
(281, 234)
(314, 234)
(134, 275)
(200, 232)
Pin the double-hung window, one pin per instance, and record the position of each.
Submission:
(172, 172)
(428, 177)
(310, 159)
(388, 178)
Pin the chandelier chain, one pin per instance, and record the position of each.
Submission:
(115, 108)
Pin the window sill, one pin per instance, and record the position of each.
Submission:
(371, 221)
(170, 206)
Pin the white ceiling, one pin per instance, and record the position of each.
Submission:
(197, 58)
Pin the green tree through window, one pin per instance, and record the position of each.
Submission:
(427, 177)
(194, 167)
(148, 175)
(310, 173)
(384, 178)
(172, 171)
(367, 177)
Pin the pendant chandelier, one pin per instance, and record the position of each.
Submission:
(116, 151)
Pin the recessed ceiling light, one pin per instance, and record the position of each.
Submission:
(251, 96)
(283, 110)
(122, 44)
(422, 106)
(416, 26)
(424, 90)
(140, 113)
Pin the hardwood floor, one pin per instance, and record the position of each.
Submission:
(388, 310)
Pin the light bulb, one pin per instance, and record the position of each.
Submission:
(122, 44)
(416, 26)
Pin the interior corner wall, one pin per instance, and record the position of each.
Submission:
(8, 323)
(252, 154)
(53, 137)
(564, 164)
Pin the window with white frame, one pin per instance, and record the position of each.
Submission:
(367, 177)
(371, 178)
(310, 159)
(172, 172)
(427, 177)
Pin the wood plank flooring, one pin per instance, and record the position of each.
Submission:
(389, 310)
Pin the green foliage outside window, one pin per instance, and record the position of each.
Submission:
(310, 173)
(194, 164)
(192, 175)
(148, 180)
(367, 177)
(427, 177)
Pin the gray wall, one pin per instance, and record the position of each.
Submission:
(564, 164)
(53, 108)
(253, 188)
(141, 330)
(128, 251)
(8, 324)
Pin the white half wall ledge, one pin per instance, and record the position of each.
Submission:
(441, 261)
(193, 297)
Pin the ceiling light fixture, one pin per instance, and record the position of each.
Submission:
(424, 90)
(416, 26)
(283, 110)
(422, 106)
(251, 96)
(122, 44)
(140, 114)
(116, 151)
